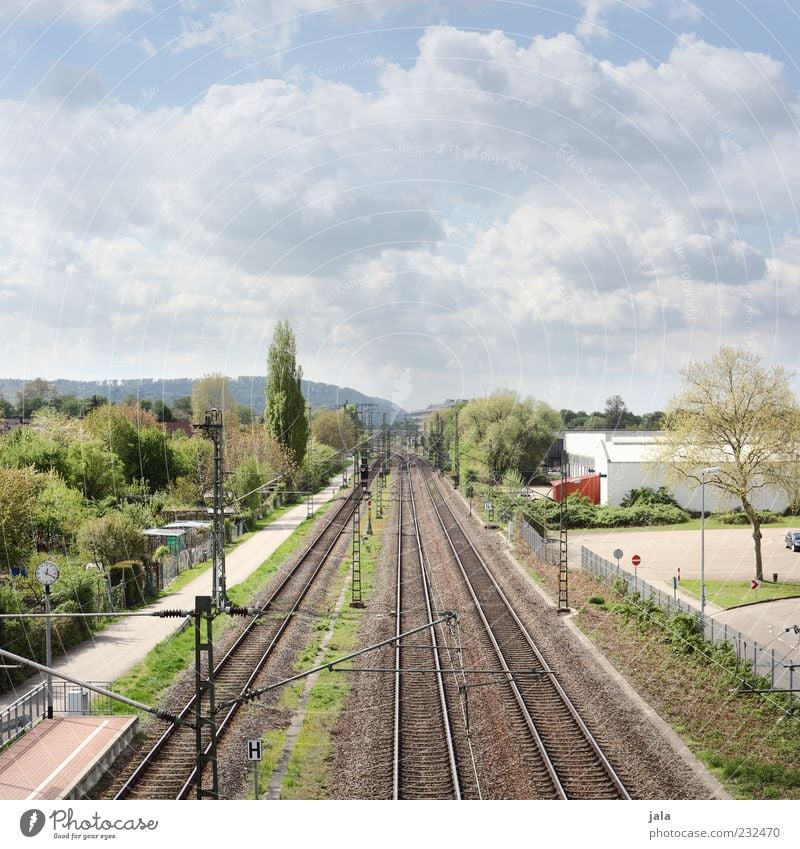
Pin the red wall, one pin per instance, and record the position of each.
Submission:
(588, 485)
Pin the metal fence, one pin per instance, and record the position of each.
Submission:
(68, 700)
(171, 567)
(763, 661)
(545, 548)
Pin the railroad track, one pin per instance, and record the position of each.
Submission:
(571, 762)
(168, 770)
(424, 754)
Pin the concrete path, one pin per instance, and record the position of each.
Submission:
(112, 652)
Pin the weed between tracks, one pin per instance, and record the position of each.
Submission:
(306, 773)
(749, 742)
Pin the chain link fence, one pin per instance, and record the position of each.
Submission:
(545, 548)
(766, 662)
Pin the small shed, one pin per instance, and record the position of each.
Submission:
(173, 538)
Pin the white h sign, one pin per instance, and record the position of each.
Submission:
(254, 750)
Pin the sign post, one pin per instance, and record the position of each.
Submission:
(636, 560)
(618, 554)
(255, 749)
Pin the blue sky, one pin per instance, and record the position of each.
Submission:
(569, 199)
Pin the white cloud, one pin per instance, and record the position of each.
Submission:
(489, 199)
(85, 12)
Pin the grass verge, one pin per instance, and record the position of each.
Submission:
(750, 742)
(733, 593)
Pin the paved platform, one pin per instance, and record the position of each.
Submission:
(63, 758)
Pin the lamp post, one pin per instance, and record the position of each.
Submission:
(712, 470)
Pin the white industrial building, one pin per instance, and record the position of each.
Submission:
(624, 460)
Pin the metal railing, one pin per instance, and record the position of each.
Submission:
(762, 661)
(68, 700)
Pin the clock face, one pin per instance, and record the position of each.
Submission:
(47, 573)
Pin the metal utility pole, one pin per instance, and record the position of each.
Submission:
(205, 750)
(309, 468)
(563, 563)
(355, 559)
(48, 650)
(457, 461)
(212, 428)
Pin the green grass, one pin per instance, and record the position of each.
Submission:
(712, 524)
(749, 779)
(307, 768)
(733, 593)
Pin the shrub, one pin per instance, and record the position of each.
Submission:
(739, 517)
(129, 576)
(647, 495)
(596, 599)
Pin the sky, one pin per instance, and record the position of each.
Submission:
(571, 200)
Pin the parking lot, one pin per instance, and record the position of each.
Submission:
(729, 553)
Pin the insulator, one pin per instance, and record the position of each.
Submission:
(171, 614)
(237, 611)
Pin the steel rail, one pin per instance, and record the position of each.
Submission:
(346, 509)
(615, 780)
(405, 507)
(439, 671)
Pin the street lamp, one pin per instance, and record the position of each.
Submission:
(712, 470)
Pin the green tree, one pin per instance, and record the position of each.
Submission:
(162, 412)
(26, 446)
(18, 491)
(182, 407)
(110, 424)
(93, 469)
(507, 433)
(35, 394)
(111, 539)
(285, 411)
(213, 392)
(335, 428)
(155, 457)
(743, 418)
(58, 514)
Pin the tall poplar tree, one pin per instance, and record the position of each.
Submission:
(285, 410)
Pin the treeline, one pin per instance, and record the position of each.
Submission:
(615, 416)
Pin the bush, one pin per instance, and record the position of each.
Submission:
(129, 576)
(739, 517)
(647, 495)
(596, 599)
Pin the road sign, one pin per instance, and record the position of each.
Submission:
(753, 584)
(618, 553)
(487, 505)
(255, 749)
(636, 560)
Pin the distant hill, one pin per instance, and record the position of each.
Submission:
(248, 391)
